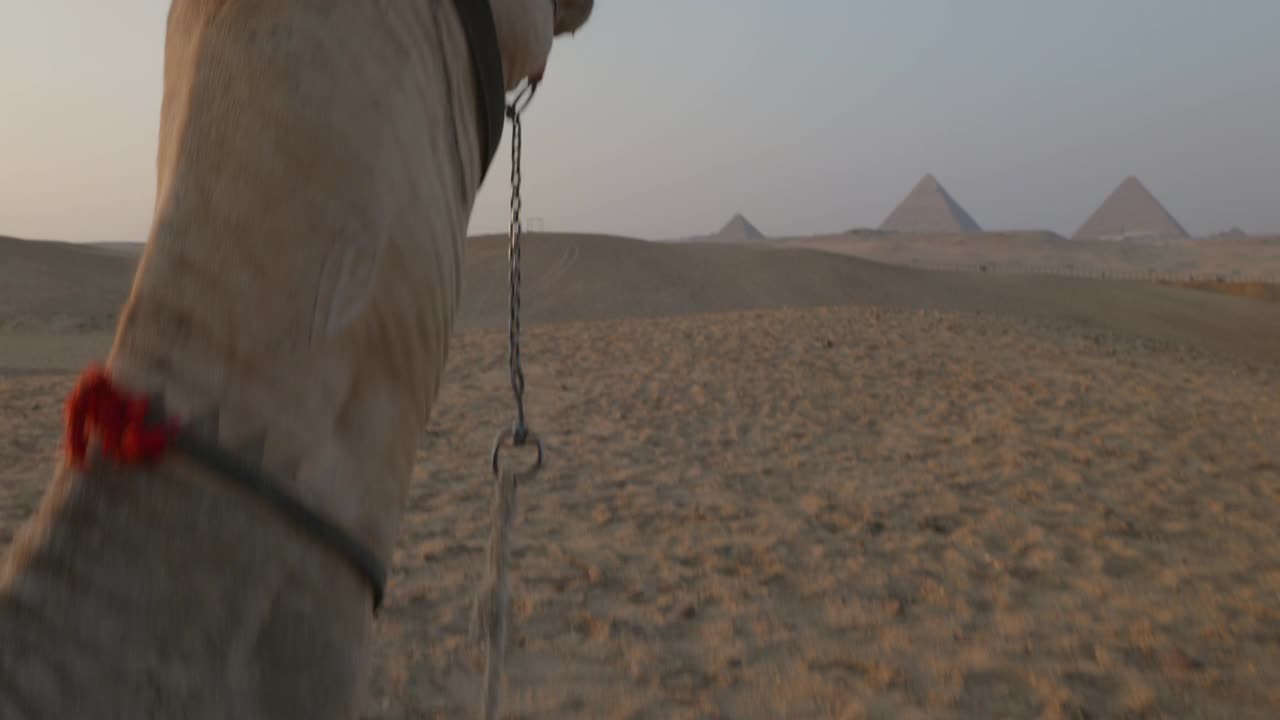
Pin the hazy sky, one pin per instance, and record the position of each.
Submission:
(664, 117)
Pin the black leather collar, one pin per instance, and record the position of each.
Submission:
(486, 64)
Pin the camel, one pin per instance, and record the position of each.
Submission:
(317, 165)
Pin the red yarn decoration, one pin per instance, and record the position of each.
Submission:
(98, 406)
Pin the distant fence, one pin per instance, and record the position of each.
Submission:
(1149, 275)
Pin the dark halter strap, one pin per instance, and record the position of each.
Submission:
(486, 64)
(134, 430)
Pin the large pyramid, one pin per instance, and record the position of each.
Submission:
(739, 229)
(1131, 212)
(930, 209)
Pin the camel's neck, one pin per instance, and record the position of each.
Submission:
(317, 166)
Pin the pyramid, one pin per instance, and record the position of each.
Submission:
(739, 229)
(930, 209)
(1131, 212)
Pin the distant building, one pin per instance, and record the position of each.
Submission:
(1234, 233)
(929, 208)
(1131, 212)
(739, 229)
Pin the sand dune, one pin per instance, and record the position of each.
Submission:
(61, 288)
(1248, 256)
(133, 249)
(1258, 291)
(579, 277)
(52, 287)
(792, 483)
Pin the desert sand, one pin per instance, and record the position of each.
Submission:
(1250, 257)
(792, 483)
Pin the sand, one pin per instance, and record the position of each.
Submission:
(944, 496)
(1256, 290)
(1254, 257)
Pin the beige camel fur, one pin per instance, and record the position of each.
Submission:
(317, 165)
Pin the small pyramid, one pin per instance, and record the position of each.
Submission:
(929, 208)
(1234, 233)
(1131, 212)
(739, 229)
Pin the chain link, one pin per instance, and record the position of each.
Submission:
(519, 434)
(513, 254)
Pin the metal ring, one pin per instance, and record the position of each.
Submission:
(522, 98)
(510, 434)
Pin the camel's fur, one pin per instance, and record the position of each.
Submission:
(317, 165)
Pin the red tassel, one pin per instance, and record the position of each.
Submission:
(98, 406)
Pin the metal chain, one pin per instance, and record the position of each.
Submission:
(491, 609)
(513, 254)
(519, 433)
